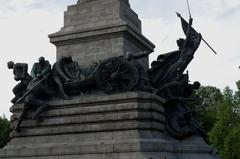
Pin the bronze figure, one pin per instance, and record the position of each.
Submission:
(37, 91)
(20, 74)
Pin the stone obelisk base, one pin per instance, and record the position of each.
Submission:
(95, 30)
(120, 126)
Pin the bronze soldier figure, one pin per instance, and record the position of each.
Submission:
(37, 91)
(73, 70)
(20, 74)
(167, 76)
(66, 71)
(169, 65)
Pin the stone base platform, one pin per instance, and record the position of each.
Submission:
(121, 126)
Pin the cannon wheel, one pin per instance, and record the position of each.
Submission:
(116, 75)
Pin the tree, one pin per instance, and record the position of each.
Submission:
(225, 132)
(4, 131)
(237, 99)
(207, 105)
(221, 128)
(219, 114)
(231, 145)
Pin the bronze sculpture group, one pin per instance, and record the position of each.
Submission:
(165, 78)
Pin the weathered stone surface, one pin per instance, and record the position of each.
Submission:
(100, 13)
(122, 126)
(100, 29)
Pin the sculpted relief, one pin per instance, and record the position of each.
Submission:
(66, 79)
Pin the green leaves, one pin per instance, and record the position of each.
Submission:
(219, 114)
(231, 145)
(206, 107)
(4, 131)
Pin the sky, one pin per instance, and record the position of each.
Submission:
(25, 25)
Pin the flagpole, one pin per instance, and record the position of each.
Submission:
(189, 11)
(209, 46)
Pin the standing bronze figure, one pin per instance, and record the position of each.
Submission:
(167, 76)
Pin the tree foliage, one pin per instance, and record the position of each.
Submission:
(4, 131)
(206, 107)
(219, 114)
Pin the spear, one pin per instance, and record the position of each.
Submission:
(30, 90)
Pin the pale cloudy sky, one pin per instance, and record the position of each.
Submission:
(25, 25)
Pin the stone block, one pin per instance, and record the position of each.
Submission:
(100, 29)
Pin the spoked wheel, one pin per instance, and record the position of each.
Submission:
(116, 75)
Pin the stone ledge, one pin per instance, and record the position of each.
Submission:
(87, 108)
(128, 155)
(118, 97)
(71, 37)
(88, 128)
(94, 136)
(103, 99)
(114, 146)
(95, 118)
(93, 127)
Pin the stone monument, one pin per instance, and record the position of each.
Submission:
(121, 109)
(98, 29)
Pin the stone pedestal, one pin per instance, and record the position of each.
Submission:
(130, 125)
(98, 29)
(120, 126)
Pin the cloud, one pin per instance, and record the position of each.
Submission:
(230, 13)
(158, 8)
(208, 9)
(3, 17)
(49, 4)
(15, 6)
(6, 7)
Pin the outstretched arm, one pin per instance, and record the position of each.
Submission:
(138, 55)
(187, 27)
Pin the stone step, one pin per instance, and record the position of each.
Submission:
(90, 127)
(111, 128)
(86, 143)
(98, 100)
(113, 146)
(94, 118)
(129, 155)
(94, 136)
(80, 110)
